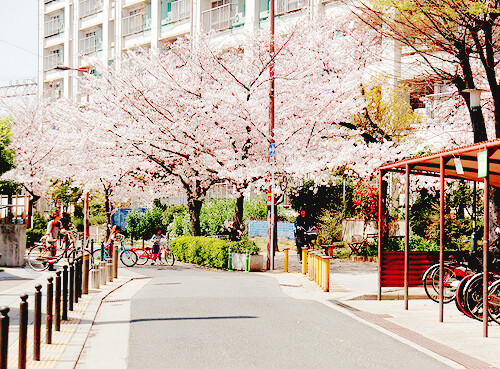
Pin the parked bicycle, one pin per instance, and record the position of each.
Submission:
(127, 256)
(164, 256)
(44, 254)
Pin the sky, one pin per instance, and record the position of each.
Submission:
(18, 40)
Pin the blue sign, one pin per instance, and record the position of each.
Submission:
(272, 149)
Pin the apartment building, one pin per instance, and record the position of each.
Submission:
(71, 30)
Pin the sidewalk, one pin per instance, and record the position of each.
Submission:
(353, 290)
(68, 343)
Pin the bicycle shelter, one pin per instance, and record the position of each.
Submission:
(479, 162)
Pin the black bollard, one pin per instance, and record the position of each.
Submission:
(80, 279)
(23, 331)
(77, 280)
(102, 250)
(71, 286)
(37, 329)
(4, 336)
(57, 303)
(65, 293)
(50, 302)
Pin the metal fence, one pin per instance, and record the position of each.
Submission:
(133, 24)
(89, 7)
(218, 18)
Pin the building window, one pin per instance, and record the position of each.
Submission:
(53, 59)
(54, 25)
(91, 42)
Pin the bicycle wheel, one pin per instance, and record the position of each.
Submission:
(97, 255)
(460, 296)
(38, 258)
(474, 294)
(128, 258)
(142, 257)
(427, 279)
(450, 283)
(494, 301)
(166, 257)
(78, 254)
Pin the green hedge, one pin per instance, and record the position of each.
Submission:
(208, 251)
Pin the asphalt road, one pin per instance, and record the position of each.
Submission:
(193, 318)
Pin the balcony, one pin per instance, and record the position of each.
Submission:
(287, 6)
(54, 27)
(219, 18)
(51, 61)
(90, 7)
(181, 9)
(133, 24)
(90, 44)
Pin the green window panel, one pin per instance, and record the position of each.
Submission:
(99, 39)
(166, 8)
(147, 17)
(264, 5)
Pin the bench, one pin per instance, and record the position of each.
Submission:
(359, 242)
(328, 249)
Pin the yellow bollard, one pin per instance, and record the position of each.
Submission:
(304, 260)
(326, 274)
(309, 264)
(285, 267)
(320, 269)
(316, 274)
(314, 265)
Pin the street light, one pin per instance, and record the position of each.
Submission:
(82, 69)
(475, 106)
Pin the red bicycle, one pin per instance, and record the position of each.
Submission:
(165, 256)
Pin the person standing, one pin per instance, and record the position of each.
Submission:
(302, 225)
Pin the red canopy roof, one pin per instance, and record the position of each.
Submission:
(429, 164)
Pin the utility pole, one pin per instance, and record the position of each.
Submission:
(272, 146)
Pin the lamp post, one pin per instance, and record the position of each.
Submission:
(479, 135)
(82, 69)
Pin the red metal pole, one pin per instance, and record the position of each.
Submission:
(272, 218)
(441, 237)
(379, 218)
(485, 253)
(407, 233)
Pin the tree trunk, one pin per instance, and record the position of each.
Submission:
(238, 217)
(31, 202)
(108, 208)
(194, 207)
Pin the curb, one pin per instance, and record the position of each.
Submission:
(71, 355)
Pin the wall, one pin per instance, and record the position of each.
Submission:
(352, 227)
(258, 228)
(12, 244)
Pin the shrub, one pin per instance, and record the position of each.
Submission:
(33, 235)
(207, 251)
(329, 228)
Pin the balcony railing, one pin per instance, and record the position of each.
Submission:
(219, 18)
(181, 9)
(287, 6)
(90, 44)
(89, 7)
(54, 27)
(51, 61)
(133, 24)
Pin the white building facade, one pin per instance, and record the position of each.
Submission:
(71, 30)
